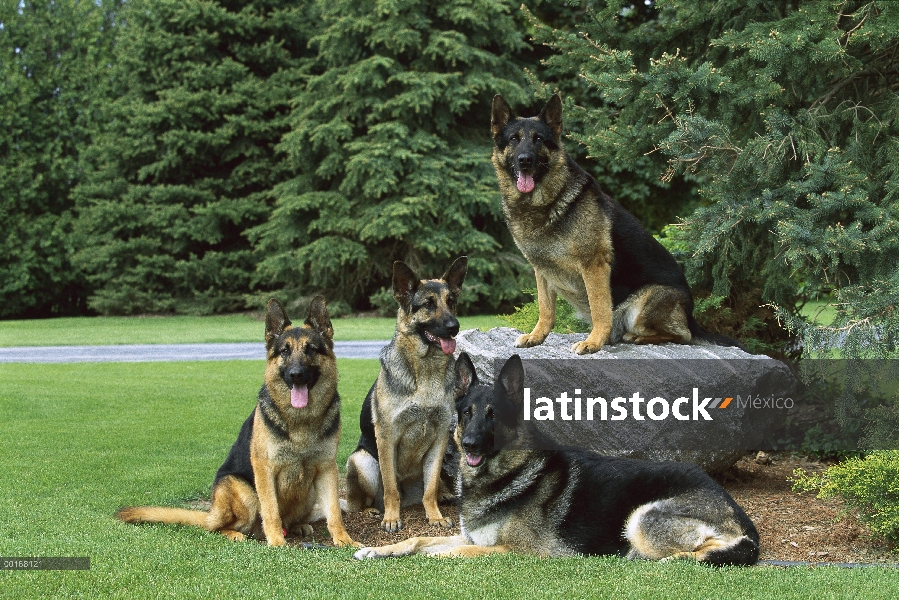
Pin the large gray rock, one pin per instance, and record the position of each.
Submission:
(666, 371)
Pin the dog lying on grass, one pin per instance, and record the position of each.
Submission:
(570, 501)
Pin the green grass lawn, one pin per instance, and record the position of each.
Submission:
(90, 331)
(81, 440)
(819, 312)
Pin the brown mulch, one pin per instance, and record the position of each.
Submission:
(792, 527)
(799, 527)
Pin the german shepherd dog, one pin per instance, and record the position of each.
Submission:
(567, 501)
(281, 473)
(583, 245)
(407, 415)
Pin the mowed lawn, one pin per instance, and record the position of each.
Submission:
(98, 331)
(81, 440)
(91, 331)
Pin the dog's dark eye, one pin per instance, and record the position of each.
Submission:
(310, 350)
(538, 139)
(285, 351)
(467, 413)
(514, 138)
(429, 303)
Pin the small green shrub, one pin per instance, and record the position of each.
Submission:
(869, 484)
(383, 302)
(525, 317)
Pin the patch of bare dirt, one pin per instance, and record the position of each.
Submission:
(796, 526)
(792, 527)
(366, 528)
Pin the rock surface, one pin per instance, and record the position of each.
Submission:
(666, 371)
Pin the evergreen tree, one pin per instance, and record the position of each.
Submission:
(635, 184)
(55, 54)
(785, 116)
(391, 147)
(187, 161)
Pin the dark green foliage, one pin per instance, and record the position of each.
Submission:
(229, 158)
(391, 148)
(785, 116)
(187, 161)
(634, 182)
(53, 54)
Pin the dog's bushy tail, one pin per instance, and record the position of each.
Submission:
(744, 553)
(701, 337)
(161, 514)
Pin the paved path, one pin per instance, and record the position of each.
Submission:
(167, 352)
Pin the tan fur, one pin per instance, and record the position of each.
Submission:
(411, 409)
(442, 547)
(574, 260)
(412, 447)
(160, 514)
(516, 498)
(296, 477)
(662, 530)
(659, 317)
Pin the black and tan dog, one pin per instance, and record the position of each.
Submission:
(407, 415)
(583, 245)
(281, 473)
(517, 497)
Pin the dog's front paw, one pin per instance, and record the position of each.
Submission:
(344, 541)
(391, 525)
(234, 536)
(444, 522)
(368, 553)
(302, 530)
(446, 498)
(587, 347)
(679, 556)
(529, 340)
(274, 534)
(400, 549)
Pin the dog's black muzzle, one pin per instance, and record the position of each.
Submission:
(525, 162)
(446, 328)
(299, 375)
(441, 333)
(477, 444)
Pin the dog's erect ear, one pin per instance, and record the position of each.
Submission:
(405, 283)
(455, 275)
(511, 380)
(276, 321)
(508, 393)
(552, 115)
(318, 319)
(466, 376)
(501, 115)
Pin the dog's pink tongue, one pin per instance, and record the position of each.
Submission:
(299, 396)
(447, 345)
(525, 183)
(473, 459)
